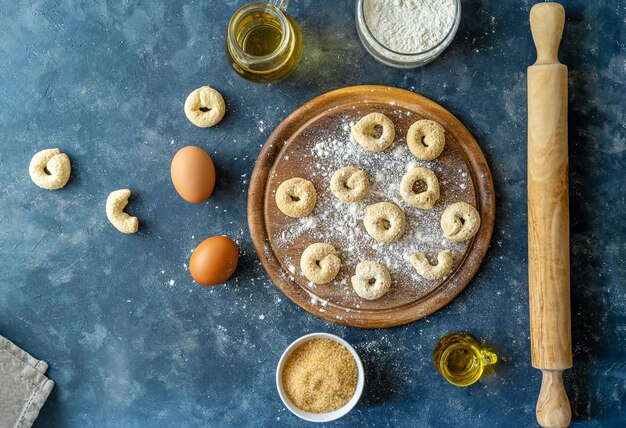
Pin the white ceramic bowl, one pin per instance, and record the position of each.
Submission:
(319, 417)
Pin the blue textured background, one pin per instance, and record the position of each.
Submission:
(105, 81)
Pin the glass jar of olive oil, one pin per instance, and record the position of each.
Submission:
(263, 42)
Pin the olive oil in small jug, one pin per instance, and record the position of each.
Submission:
(460, 359)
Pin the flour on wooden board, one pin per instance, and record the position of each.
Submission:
(340, 223)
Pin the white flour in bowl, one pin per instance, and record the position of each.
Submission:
(409, 26)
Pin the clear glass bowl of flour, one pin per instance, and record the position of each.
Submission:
(407, 33)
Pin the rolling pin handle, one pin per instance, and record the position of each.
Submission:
(546, 24)
(553, 409)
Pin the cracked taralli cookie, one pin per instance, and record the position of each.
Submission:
(460, 221)
(349, 184)
(421, 199)
(320, 263)
(384, 221)
(205, 107)
(425, 269)
(371, 280)
(374, 132)
(116, 202)
(296, 197)
(426, 139)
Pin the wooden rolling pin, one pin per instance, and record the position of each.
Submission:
(548, 216)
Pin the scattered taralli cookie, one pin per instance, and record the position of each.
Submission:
(371, 280)
(296, 197)
(384, 221)
(426, 139)
(349, 184)
(50, 169)
(460, 222)
(374, 132)
(116, 202)
(426, 199)
(320, 263)
(425, 269)
(205, 107)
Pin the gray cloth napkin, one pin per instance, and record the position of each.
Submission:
(24, 387)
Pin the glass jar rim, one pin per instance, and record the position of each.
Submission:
(244, 11)
(443, 41)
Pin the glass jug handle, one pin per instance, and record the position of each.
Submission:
(487, 357)
(279, 4)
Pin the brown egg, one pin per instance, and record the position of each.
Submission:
(214, 260)
(193, 174)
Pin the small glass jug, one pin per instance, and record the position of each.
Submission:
(263, 43)
(460, 359)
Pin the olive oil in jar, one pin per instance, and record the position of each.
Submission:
(263, 43)
(460, 360)
(260, 36)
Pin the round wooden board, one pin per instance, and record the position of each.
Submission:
(293, 150)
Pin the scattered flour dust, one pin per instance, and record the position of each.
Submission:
(340, 224)
(409, 26)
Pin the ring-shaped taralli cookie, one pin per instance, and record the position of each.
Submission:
(366, 129)
(425, 269)
(460, 221)
(50, 169)
(349, 184)
(426, 199)
(426, 139)
(320, 263)
(205, 107)
(296, 197)
(371, 280)
(384, 221)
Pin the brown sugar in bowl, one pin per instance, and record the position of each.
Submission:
(317, 405)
